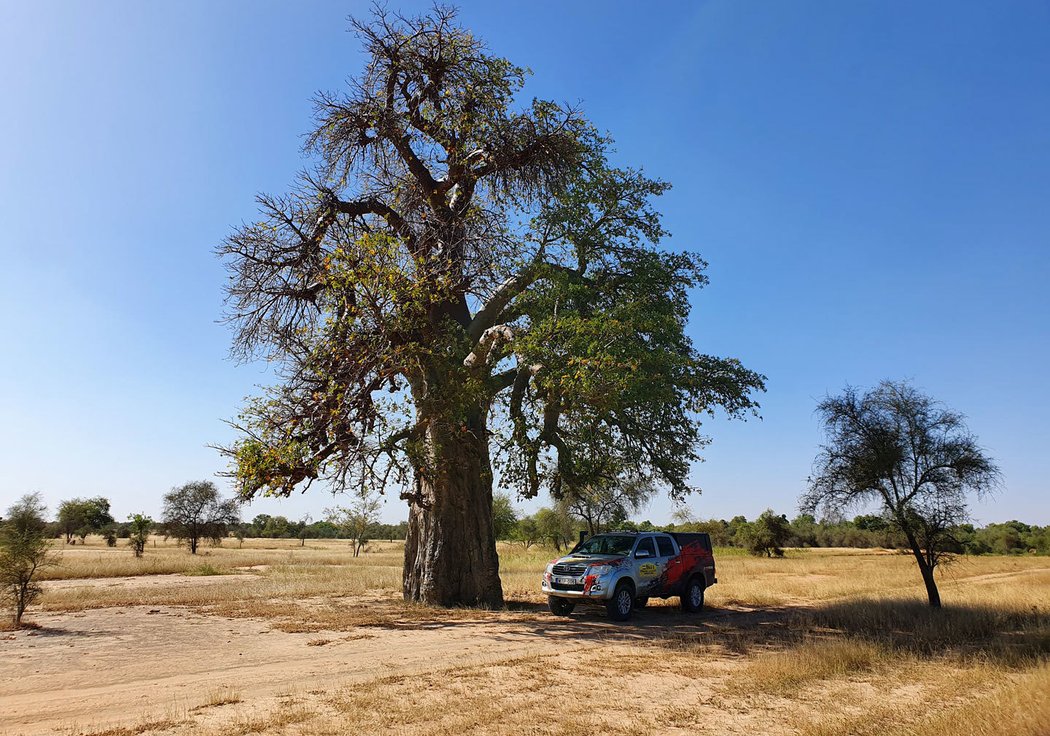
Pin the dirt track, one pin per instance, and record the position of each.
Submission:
(136, 664)
(109, 667)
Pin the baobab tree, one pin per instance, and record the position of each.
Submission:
(460, 275)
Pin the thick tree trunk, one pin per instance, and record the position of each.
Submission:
(450, 552)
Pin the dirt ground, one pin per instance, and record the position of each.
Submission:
(108, 667)
(100, 670)
(182, 670)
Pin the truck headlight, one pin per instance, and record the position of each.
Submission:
(599, 570)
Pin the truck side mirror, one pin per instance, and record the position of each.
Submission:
(642, 553)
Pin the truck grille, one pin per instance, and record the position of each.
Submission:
(573, 570)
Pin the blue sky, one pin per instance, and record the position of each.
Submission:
(868, 180)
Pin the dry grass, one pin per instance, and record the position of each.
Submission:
(224, 695)
(1011, 634)
(1019, 708)
(840, 639)
(143, 727)
(809, 661)
(823, 575)
(165, 557)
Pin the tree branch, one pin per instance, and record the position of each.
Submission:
(511, 287)
(488, 344)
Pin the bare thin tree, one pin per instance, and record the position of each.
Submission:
(899, 449)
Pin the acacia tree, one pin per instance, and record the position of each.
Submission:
(24, 550)
(459, 273)
(527, 532)
(195, 511)
(898, 448)
(357, 521)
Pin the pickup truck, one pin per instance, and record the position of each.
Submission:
(623, 570)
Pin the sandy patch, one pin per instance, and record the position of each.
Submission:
(123, 666)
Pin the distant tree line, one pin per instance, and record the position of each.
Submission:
(770, 532)
(559, 527)
(872, 530)
(264, 526)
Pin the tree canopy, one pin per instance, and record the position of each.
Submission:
(907, 453)
(82, 516)
(195, 511)
(460, 273)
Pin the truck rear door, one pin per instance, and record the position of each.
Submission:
(669, 559)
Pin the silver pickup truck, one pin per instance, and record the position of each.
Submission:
(622, 570)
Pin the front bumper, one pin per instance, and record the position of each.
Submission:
(592, 587)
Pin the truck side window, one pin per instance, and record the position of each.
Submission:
(645, 548)
(666, 548)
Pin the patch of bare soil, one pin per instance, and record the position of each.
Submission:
(119, 668)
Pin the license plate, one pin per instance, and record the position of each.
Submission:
(568, 581)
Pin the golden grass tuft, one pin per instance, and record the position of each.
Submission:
(224, 695)
(810, 661)
(146, 726)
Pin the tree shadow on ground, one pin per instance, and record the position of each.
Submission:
(1004, 635)
(998, 632)
(587, 622)
(34, 629)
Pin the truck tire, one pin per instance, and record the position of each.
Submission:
(560, 606)
(693, 596)
(621, 604)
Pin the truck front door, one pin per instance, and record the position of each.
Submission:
(649, 566)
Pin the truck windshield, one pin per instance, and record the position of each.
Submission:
(606, 544)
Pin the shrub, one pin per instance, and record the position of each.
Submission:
(24, 551)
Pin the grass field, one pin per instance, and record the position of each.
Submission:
(822, 642)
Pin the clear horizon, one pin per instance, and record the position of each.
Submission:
(868, 182)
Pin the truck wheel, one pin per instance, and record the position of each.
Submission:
(641, 602)
(560, 606)
(693, 596)
(621, 604)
